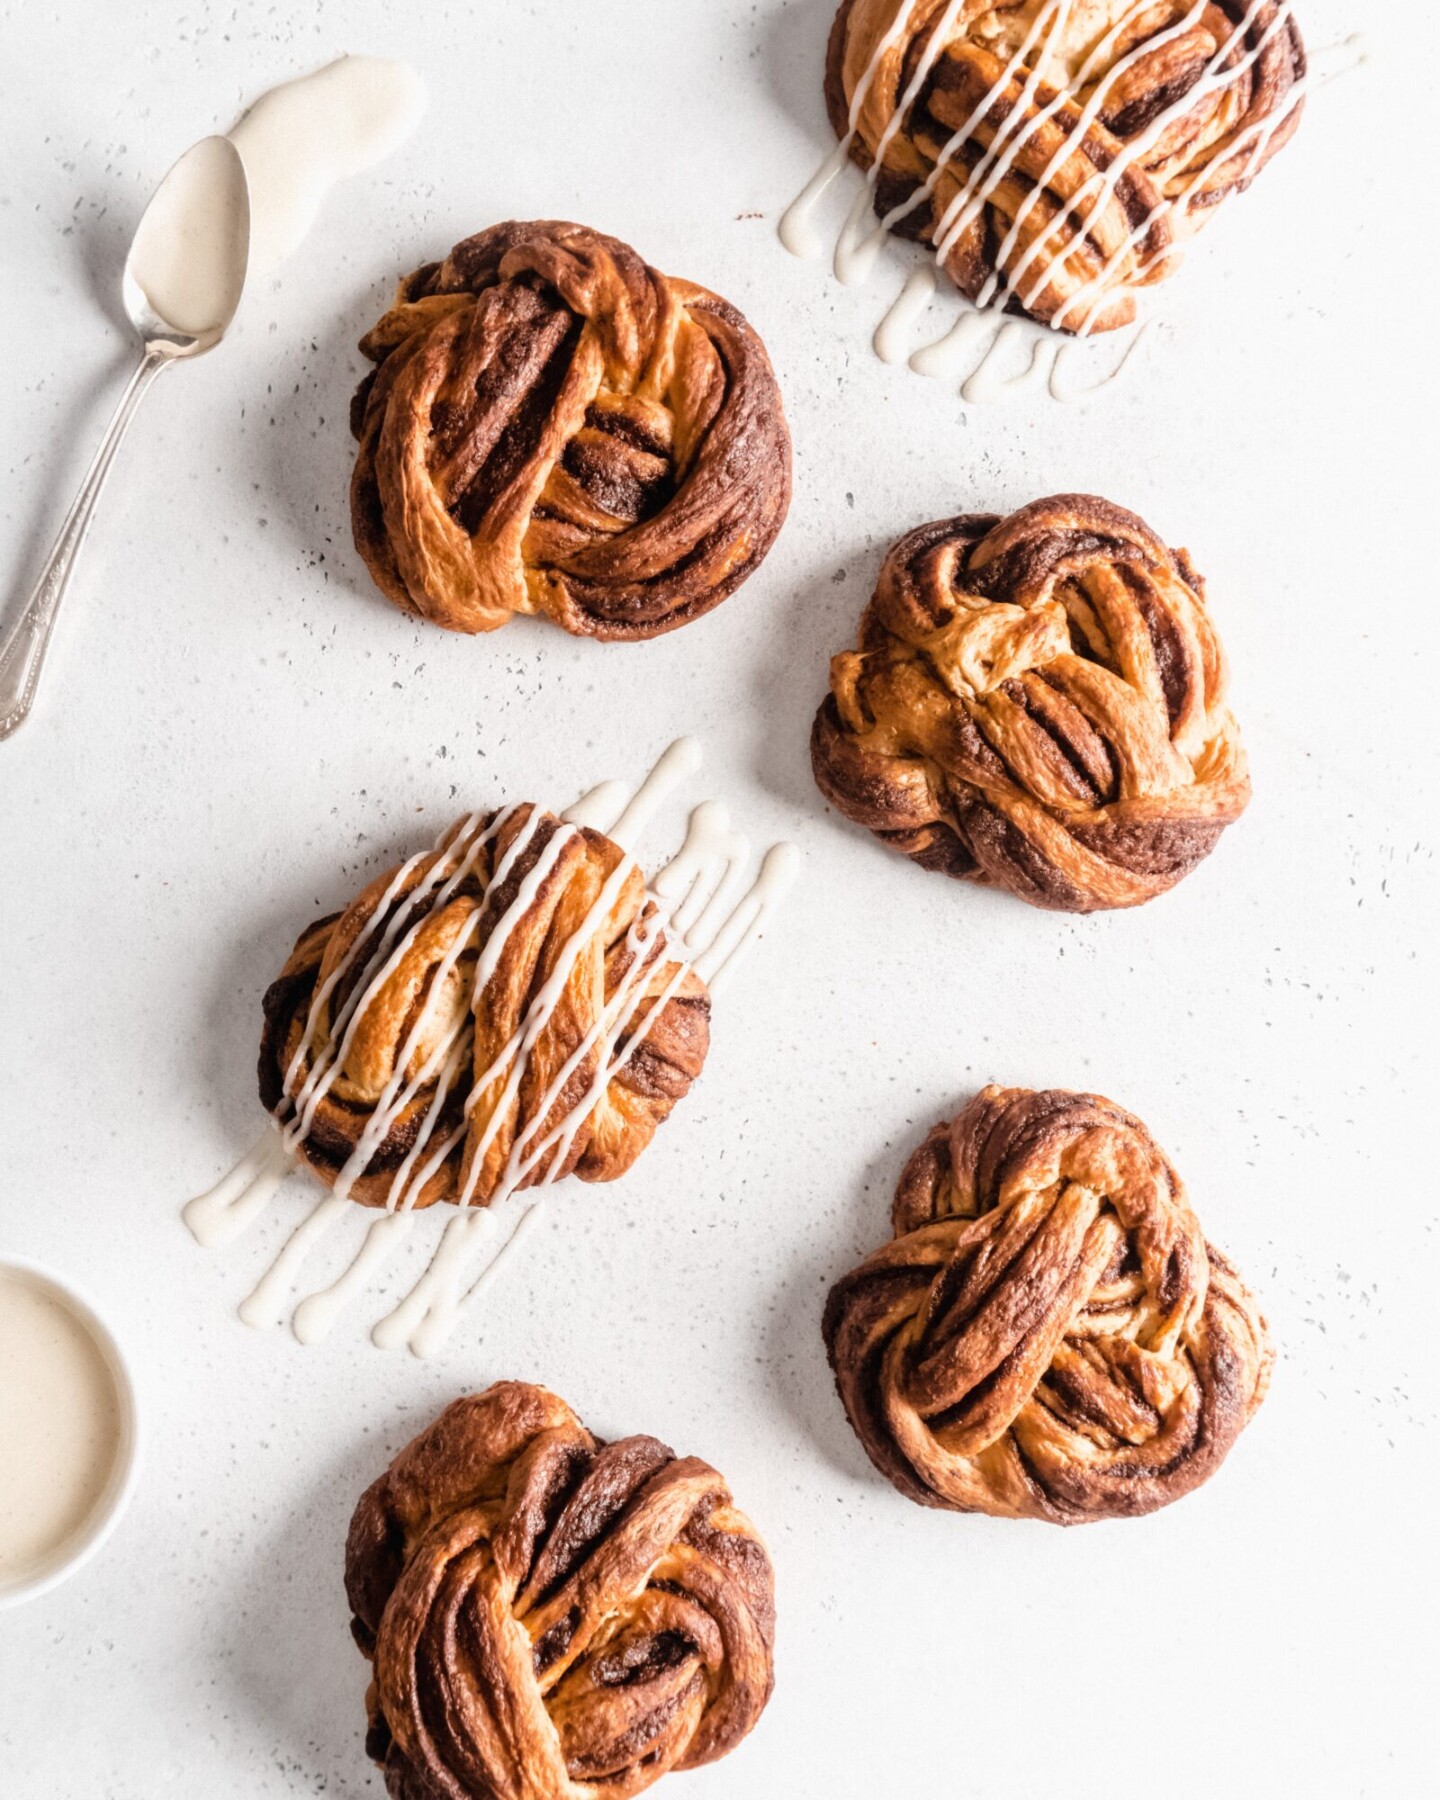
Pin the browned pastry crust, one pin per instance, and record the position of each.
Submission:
(1212, 149)
(555, 427)
(551, 1617)
(1037, 702)
(636, 1097)
(1048, 1335)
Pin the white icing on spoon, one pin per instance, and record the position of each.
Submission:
(698, 919)
(300, 138)
(189, 254)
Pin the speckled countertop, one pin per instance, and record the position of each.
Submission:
(235, 728)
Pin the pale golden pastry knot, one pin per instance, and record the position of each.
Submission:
(484, 1019)
(1055, 152)
(1048, 1335)
(1037, 702)
(551, 1617)
(555, 427)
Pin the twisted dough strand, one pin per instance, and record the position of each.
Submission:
(555, 427)
(1047, 1335)
(1066, 207)
(482, 1009)
(1037, 702)
(551, 1617)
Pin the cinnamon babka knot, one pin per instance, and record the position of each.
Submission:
(555, 427)
(1056, 152)
(551, 1617)
(1037, 702)
(498, 1013)
(1048, 1335)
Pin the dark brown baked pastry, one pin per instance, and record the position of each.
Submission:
(555, 427)
(551, 1617)
(1048, 1335)
(497, 1013)
(1056, 154)
(1037, 702)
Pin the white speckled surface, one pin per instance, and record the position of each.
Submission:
(235, 728)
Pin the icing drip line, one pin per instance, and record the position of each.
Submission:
(317, 1313)
(678, 763)
(223, 1211)
(798, 232)
(893, 332)
(265, 1306)
(980, 346)
(984, 337)
(428, 1314)
(700, 916)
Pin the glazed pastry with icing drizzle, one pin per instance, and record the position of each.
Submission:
(1056, 152)
(1037, 703)
(554, 427)
(1047, 1335)
(443, 1038)
(551, 1617)
(511, 1007)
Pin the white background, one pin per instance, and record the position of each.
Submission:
(236, 731)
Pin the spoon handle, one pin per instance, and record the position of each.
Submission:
(22, 655)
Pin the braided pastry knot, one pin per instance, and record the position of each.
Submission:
(555, 427)
(501, 1012)
(1055, 152)
(1037, 702)
(1048, 1335)
(551, 1617)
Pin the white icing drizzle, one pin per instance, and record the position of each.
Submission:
(892, 334)
(1080, 389)
(706, 923)
(988, 382)
(435, 1297)
(600, 807)
(679, 762)
(710, 845)
(856, 249)
(948, 354)
(797, 230)
(317, 1313)
(264, 1306)
(223, 1211)
(981, 345)
(777, 874)
(984, 337)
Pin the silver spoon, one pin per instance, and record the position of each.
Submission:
(188, 259)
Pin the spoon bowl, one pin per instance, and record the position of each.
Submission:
(185, 272)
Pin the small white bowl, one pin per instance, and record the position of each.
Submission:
(120, 1485)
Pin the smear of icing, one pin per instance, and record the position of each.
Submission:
(983, 342)
(302, 137)
(707, 905)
